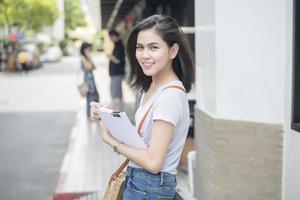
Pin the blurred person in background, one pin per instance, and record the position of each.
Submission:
(10, 58)
(23, 60)
(88, 66)
(116, 70)
(4, 58)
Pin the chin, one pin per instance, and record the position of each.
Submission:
(148, 72)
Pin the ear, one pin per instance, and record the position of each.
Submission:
(174, 50)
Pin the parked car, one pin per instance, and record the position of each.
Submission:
(52, 54)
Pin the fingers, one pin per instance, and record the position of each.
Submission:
(95, 104)
(94, 114)
(95, 117)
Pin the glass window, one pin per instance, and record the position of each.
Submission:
(296, 69)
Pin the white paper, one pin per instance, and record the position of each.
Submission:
(121, 128)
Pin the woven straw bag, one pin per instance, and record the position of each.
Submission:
(115, 187)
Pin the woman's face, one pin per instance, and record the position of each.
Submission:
(152, 53)
(87, 51)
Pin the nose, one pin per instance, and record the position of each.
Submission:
(145, 54)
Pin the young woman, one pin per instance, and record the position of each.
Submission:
(162, 67)
(88, 66)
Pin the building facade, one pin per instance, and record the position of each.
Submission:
(245, 147)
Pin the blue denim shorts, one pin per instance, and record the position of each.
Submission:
(142, 185)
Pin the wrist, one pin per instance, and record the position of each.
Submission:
(115, 146)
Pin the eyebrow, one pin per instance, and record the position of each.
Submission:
(152, 43)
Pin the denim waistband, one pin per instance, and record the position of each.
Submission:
(141, 173)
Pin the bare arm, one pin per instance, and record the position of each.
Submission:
(151, 159)
(114, 59)
(87, 64)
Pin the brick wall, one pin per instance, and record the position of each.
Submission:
(237, 160)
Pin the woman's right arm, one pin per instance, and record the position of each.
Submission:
(151, 159)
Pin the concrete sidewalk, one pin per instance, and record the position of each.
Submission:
(88, 162)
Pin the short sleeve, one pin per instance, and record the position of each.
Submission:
(169, 106)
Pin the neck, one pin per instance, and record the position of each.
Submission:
(163, 77)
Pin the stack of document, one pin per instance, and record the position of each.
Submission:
(121, 128)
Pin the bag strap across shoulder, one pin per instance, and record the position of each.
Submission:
(125, 163)
(176, 86)
(145, 115)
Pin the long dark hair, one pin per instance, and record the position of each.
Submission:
(170, 32)
(84, 46)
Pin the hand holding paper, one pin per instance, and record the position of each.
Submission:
(121, 128)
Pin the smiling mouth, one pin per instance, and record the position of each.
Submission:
(147, 65)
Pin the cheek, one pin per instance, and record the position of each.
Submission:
(138, 56)
(161, 57)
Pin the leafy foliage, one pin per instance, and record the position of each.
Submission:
(28, 14)
(74, 16)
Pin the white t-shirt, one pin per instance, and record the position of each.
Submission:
(171, 105)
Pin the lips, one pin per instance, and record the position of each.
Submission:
(147, 65)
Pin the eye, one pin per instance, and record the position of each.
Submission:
(139, 47)
(153, 48)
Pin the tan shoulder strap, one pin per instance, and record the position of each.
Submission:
(175, 86)
(119, 170)
(143, 120)
(145, 115)
(125, 163)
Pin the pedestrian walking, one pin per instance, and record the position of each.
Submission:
(162, 67)
(88, 66)
(116, 70)
(10, 58)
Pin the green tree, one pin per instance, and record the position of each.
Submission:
(74, 16)
(8, 12)
(28, 14)
(38, 13)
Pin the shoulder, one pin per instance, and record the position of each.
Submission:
(171, 105)
(83, 59)
(172, 97)
(173, 91)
